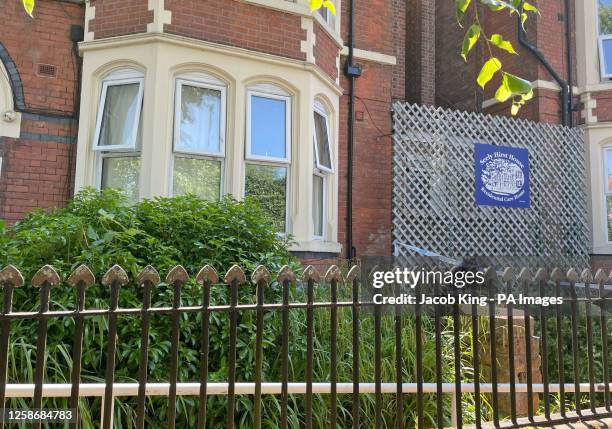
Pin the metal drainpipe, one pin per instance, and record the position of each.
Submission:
(569, 59)
(565, 88)
(352, 72)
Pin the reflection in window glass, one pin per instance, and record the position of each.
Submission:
(268, 127)
(200, 122)
(608, 160)
(317, 205)
(122, 173)
(268, 185)
(607, 56)
(605, 17)
(200, 177)
(322, 140)
(609, 212)
(119, 115)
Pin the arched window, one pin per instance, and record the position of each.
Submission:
(323, 167)
(117, 138)
(199, 135)
(607, 187)
(268, 149)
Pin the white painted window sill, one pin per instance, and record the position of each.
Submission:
(316, 246)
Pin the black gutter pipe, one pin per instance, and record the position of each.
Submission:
(569, 59)
(352, 72)
(565, 88)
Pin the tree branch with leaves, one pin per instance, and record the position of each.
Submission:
(511, 87)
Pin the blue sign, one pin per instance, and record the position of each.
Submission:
(502, 176)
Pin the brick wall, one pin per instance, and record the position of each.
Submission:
(398, 31)
(421, 51)
(455, 80)
(326, 51)
(36, 168)
(35, 174)
(238, 24)
(120, 17)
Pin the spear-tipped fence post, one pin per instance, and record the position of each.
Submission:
(285, 277)
(44, 279)
(310, 276)
(177, 277)
(206, 277)
(80, 279)
(148, 278)
(333, 277)
(261, 277)
(234, 278)
(114, 278)
(10, 278)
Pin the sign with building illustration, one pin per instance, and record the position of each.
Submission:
(502, 176)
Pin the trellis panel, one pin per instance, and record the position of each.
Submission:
(434, 202)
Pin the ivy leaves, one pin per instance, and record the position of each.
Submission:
(511, 86)
(318, 4)
(28, 5)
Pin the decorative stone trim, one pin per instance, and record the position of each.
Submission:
(161, 16)
(14, 78)
(307, 46)
(90, 14)
(589, 104)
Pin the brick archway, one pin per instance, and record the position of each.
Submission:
(13, 77)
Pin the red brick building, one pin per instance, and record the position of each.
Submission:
(216, 97)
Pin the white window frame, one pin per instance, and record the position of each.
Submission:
(602, 58)
(322, 111)
(115, 79)
(327, 16)
(177, 111)
(606, 191)
(287, 187)
(323, 206)
(274, 96)
(202, 157)
(99, 162)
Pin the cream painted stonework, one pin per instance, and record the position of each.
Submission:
(161, 58)
(10, 120)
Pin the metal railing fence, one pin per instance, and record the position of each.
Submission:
(588, 308)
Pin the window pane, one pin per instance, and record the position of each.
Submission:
(268, 185)
(605, 16)
(322, 140)
(200, 122)
(119, 116)
(201, 177)
(607, 56)
(122, 173)
(608, 161)
(317, 205)
(268, 123)
(609, 212)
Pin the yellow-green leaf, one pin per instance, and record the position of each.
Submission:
(461, 6)
(28, 5)
(315, 5)
(498, 40)
(527, 96)
(330, 6)
(517, 85)
(514, 109)
(503, 93)
(523, 20)
(471, 37)
(487, 71)
(531, 8)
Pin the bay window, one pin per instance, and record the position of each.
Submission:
(605, 38)
(118, 131)
(607, 186)
(199, 137)
(268, 150)
(323, 167)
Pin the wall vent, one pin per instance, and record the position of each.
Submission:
(47, 70)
